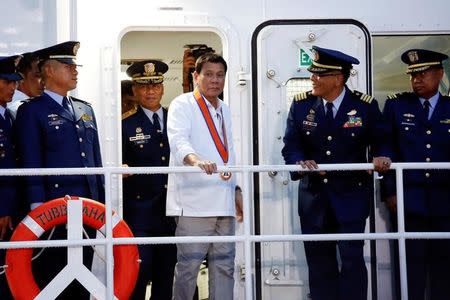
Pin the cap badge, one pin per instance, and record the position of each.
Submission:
(75, 48)
(413, 56)
(149, 69)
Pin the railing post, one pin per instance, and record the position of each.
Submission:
(109, 238)
(247, 234)
(401, 231)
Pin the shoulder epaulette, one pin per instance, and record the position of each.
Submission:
(129, 113)
(301, 96)
(364, 97)
(79, 100)
(392, 96)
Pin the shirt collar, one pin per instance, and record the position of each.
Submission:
(433, 100)
(2, 111)
(150, 113)
(336, 102)
(57, 97)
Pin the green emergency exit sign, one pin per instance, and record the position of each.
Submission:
(304, 59)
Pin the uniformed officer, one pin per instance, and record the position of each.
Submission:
(144, 143)
(57, 130)
(420, 122)
(8, 160)
(332, 124)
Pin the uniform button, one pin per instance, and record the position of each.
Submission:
(161, 145)
(308, 133)
(80, 140)
(329, 138)
(141, 146)
(325, 180)
(165, 186)
(406, 128)
(353, 134)
(163, 158)
(56, 127)
(360, 183)
(77, 126)
(428, 131)
(138, 197)
(3, 155)
(428, 146)
(427, 175)
(83, 154)
(56, 185)
(328, 152)
(1, 145)
(427, 159)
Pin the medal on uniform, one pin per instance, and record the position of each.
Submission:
(221, 147)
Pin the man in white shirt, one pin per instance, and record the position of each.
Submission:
(199, 132)
(31, 85)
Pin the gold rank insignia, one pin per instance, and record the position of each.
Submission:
(86, 117)
(149, 69)
(408, 115)
(445, 121)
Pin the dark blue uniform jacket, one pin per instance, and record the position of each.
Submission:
(49, 137)
(8, 184)
(144, 196)
(356, 127)
(417, 139)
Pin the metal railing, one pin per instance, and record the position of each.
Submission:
(247, 237)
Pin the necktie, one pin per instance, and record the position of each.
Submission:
(329, 114)
(156, 124)
(426, 108)
(66, 105)
(7, 120)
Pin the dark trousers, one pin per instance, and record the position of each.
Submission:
(428, 261)
(157, 265)
(53, 260)
(326, 279)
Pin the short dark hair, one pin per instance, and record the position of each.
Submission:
(25, 64)
(125, 86)
(209, 58)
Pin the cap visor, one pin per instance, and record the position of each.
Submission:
(11, 76)
(68, 61)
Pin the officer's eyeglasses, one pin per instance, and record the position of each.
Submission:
(318, 76)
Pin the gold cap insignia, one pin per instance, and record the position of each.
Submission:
(75, 48)
(413, 56)
(149, 69)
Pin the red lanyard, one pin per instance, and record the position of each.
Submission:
(221, 147)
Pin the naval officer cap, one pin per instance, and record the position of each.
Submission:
(419, 60)
(147, 71)
(8, 68)
(328, 60)
(65, 53)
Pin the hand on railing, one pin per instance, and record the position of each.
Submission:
(309, 164)
(126, 175)
(381, 164)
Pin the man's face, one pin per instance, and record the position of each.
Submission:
(211, 80)
(426, 84)
(7, 88)
(325, 85)
(61, 77)
(32, 83)
(149, 95)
